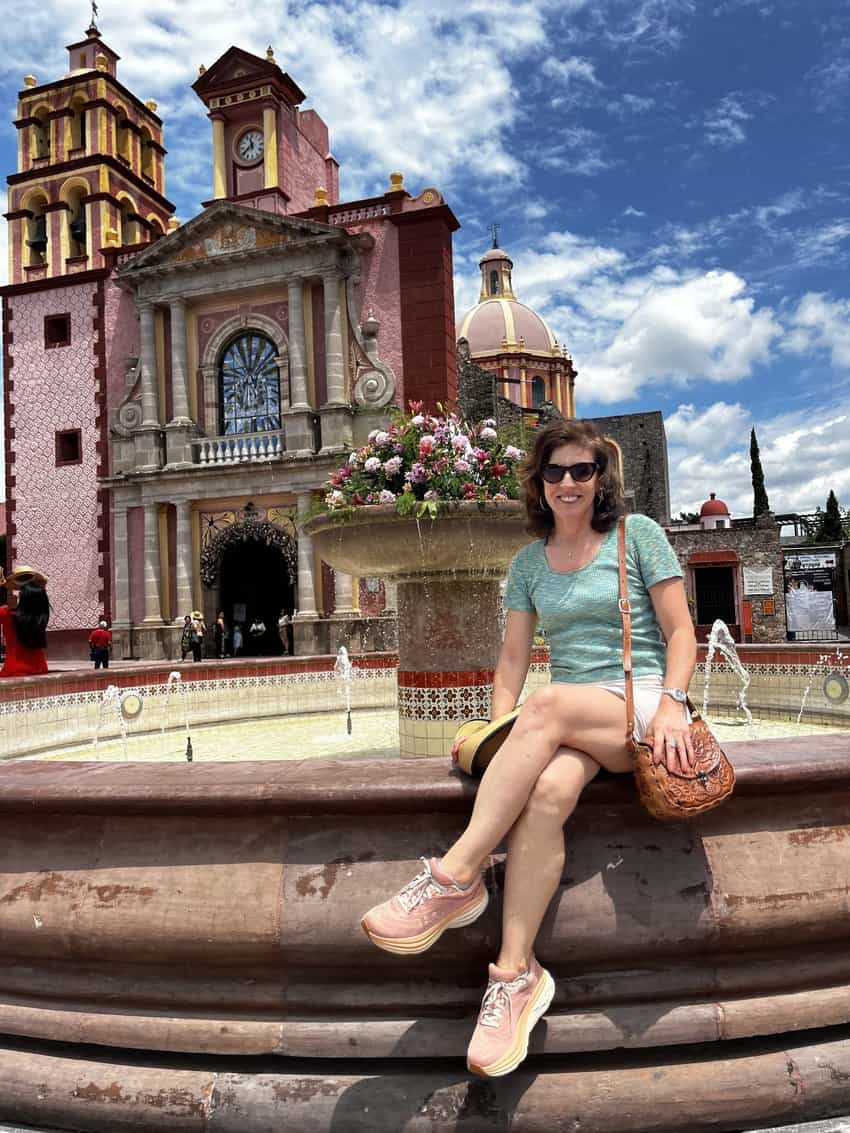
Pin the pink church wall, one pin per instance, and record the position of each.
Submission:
(302, 167)
(379, 291)
(122, 341)
(56, 509)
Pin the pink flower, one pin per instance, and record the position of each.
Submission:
(461, 443)
(462, 466)
(386, 497)
(499, 469)
(393, 466)
(487, 435)
(373, 464)
(427, 444)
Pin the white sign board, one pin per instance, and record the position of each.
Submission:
(758, 580)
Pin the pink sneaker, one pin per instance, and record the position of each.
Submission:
(511, 1007)
(421, 912)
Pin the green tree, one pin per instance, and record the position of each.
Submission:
(761, 506)
(688, 517)
(830, 527)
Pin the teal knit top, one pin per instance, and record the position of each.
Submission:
(578, 609)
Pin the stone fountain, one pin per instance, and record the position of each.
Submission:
(447, 571)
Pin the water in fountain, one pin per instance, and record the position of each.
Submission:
(175, 679)
(721, 640)
(342, 678)
(111, 699)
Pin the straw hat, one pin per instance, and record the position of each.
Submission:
(24, 576)
(197, 614)
(479, 740)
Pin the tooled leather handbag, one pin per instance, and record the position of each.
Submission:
(663, 793)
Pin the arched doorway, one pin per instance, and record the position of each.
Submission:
(254, 564)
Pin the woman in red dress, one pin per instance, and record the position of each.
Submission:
(23, 621)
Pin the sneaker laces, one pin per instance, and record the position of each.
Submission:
(422, 886)
(497, 1000)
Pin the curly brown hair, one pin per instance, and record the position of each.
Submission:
(609, 504)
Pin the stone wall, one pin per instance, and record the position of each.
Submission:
(756, 546)
(643, 443)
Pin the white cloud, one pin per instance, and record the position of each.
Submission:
(821, 323)
(789, 444)
(724, 123)
(630, 210)
(569, 71)
(535, 210)
(708, 431)
(690, 329)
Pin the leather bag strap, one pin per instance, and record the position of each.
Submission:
(626, 615)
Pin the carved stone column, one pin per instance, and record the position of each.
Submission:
(147, 438)
(185, 560)
(333, 342)
(153, 582)
(121, 560)
(147, 365)
(299, 417)
(343, 593)
(336, 414)
(306, 585)
(270, 170)
(219, 157)
(179, 429)
(179, 364)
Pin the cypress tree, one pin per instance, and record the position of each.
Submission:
(830, 528)
(761, 506)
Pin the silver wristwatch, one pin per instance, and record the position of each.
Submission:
(678, 694)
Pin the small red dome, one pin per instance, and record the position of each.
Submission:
(713, 506)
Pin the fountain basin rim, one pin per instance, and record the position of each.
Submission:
(764, 767)
(470, 541)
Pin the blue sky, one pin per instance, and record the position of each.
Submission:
(671, 178)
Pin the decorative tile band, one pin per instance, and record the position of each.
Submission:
(461, 702)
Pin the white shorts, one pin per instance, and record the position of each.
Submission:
(647, 692)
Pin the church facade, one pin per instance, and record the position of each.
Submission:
(177, 394)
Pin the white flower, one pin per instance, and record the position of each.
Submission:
(487, 434)
(353, 459)
(386, 497)
(393, 465)
(462, 466)
(373, 464)
(335, 499)
(382, 439)
(418, 420)
(461, 443)
(513, 453)
(372, 436)
(431, 495)
(489, 423)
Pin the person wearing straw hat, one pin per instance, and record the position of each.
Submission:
(566, 731)
(23, 621)
(197, 635)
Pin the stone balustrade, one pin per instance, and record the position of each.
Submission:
(240, 448)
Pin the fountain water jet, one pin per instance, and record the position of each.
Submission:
(342, 679)
(721, 640)
(175, 679)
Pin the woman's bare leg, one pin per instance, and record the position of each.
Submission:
(586, 719)
(535, 859)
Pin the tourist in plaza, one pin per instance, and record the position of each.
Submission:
(220, 635)
(23, 621)
(566, 732)
(186, 637)
(237, 640)
(198, 633)
(284, 628)
(100, 642)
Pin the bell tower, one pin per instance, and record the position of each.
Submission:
(90, 168)
(267, 153)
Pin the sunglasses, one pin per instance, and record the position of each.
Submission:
(580, 473)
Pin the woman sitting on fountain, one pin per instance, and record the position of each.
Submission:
(23, 621)
(568, 581)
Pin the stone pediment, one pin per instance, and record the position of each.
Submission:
(224, 231)
(237, 69)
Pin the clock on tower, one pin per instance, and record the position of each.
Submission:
(250, 146)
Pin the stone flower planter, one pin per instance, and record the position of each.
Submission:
(448, 571)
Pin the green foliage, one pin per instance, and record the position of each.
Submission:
(424, 464)
(689, 517)
(830, 525)
(761, 506)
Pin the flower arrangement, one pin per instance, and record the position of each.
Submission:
(423, 464)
